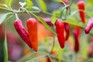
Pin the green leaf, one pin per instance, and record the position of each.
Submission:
(74, 22)
(35, 8)
(46, 39)
(83, 46)
(5, 50)
(44, 23)
(53, 19)
(3, 16)
(42, 5)
(1, 5)
(22, 4)
(57, 13)
(29, 4)
(8, 3)
(57, 0)
(90, 2)
(72, 14)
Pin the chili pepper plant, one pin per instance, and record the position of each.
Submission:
(46, 30)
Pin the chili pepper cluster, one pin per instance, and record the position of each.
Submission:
(61, 28)
(30, 36)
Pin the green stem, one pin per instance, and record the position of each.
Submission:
(24, 58)
(5, 50)
(5, 9)
(17, 18)
(47, 13)
(50, 58)
(37, 58)
(53, 45)
(71, 1)
(17, 11)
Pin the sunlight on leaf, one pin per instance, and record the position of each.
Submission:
(22, 4)
(53, 19)
(3, 16)
(29, 4)
(42, 5)
(74, 22)
(8, 2)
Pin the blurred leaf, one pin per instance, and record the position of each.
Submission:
(57, 13)
(3, 16)
(5, 50)
(29, 4)
(1, 4)
(35, 7)
(72, 14)
(90, 2)
(8, 2)
(22, 4)
(53, 19)
(46, 39)
(74, 22)
(84, 46)
(42, 5)
(44, 23)
(57, 0)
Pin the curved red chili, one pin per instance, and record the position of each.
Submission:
(76, 45)
(22, 32)
(33, 33)
(81, 8)
(67, 29)
(60, 32)
(76, 34)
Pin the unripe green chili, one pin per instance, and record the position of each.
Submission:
(22, 32)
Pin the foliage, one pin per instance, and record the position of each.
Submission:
(66, 13)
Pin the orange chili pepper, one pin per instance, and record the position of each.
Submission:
(33, 33)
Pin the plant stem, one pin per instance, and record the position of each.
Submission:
(53, 45)
(5, 50)
(37, 58)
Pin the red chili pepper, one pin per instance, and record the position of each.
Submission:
(22, 32)
(89, 25)
(67, 29)
(78, 30)
(60, 32)
(33, 33)
(76, 34)
(81, 8)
